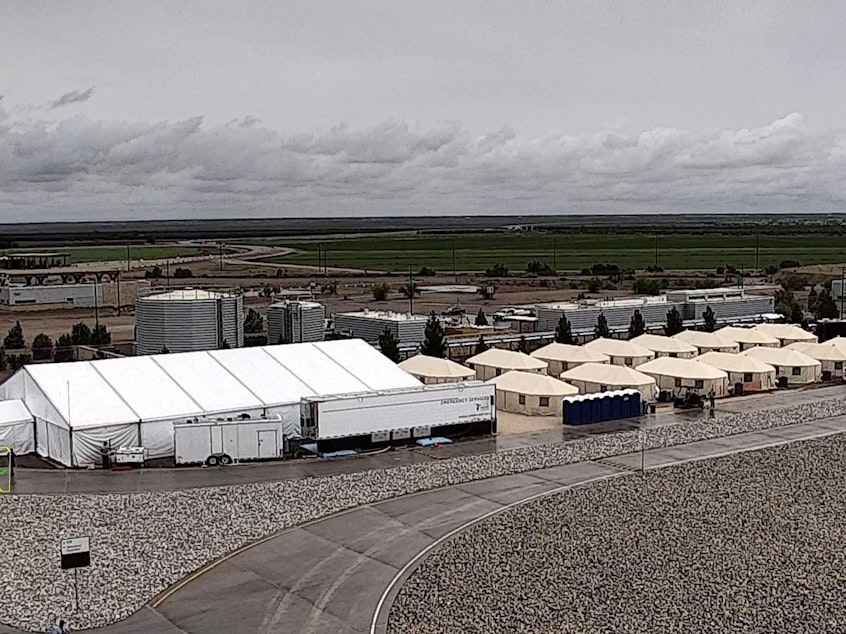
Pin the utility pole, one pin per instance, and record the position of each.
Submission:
(167, 273)
(842, 294)
(410, 292)
(325, 260)
(757, 251)
(656, 250)
(555, 253)
(454, 274)
(128, 260)
(118, 292)
(220, 252)
(96, 310)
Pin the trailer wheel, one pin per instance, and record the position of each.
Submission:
(211, 461)
(225, 460)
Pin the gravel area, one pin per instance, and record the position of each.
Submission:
(144, 542)
(747, 543)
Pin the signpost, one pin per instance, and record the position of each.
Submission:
(641, 436)
(76, 553)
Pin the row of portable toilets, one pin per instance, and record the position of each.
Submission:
(596, 408)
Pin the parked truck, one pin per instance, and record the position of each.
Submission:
(222, 442)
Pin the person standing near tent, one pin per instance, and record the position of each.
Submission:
(58, 629)
(712, 397)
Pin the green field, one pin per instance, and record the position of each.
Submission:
(109, 253)
(476, 252)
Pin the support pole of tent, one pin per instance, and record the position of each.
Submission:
(76, 590)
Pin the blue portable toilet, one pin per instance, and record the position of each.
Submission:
(575, 412)
(625, 405)
(596, 409)
(616, 405)
(567, 410)
(606, 406)
(637, 403)
(586, 410)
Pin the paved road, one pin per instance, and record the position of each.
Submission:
(329, 576)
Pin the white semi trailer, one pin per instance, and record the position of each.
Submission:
(222, 442)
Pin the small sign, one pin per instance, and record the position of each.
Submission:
(641, 436)
(76, 553)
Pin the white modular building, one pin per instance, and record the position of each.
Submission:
(295, 322)
(678, 374)
(621, 352)
(666, 346)
(618, 313)
(74, 295)
(496, 361)
(189, 320)
(729, 304)
(531, 393)
(370, 324)
(135, 401)
(561, 357)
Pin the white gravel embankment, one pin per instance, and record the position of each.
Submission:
(747, 543)
(144, 542)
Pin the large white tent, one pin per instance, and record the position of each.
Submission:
(830, 354)
(135, 401)
(601, 377)
(755, 375)
(798, 368)
(496, 361)
(562, 356)
(621, 352)
(434, 370)
(666, 346)
(707, 341)
(747, 338)
(676, 374)
(787, 333)
(530, 393)
(16, 427)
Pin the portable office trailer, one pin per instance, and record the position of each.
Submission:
(222, 442)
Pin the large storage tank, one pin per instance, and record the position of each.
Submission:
(187, 320)
(295, 322)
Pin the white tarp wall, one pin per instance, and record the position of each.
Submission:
(17, 427)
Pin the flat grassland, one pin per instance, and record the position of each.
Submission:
(564, 251)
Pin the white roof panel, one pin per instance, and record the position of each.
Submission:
(265, 377)
(316, 369)
(368, 365)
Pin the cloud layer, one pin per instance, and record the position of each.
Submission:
(79, 168)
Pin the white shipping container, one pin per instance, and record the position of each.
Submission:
(252, 439)
(398, 410)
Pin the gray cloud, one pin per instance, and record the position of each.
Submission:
(82, 168)
(75, 96)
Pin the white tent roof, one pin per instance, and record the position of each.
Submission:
(14, 411)
(682, 369)
(731, 362)
(667, 345)
(421, 365)
(506, 360)
(618, 348)
(747, 336)
(568, 353)
(786, 331)
(826, 351)
(705, 339)
(115, 391)
(781, 357)
(533, 384)
(605, 374)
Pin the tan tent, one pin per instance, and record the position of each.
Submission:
(677, 374)
(530, 393)
(621, 352)
(561, 357)
(706, 341)
(666, 346)
(798, 368)
(433, 370)
(747, 338)
(601, 377)
(787, 333)
(495, 361)
(755, 375)
(830, 354)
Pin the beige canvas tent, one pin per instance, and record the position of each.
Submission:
(677, 374)
(798, 368)
(621, 352)
(561, 357)
(747, 338)
(495, 362)
(707, 341)
(787, 333)
(830, 354)
(602, 377)
(530, 393)
(433, 370)
(666, 346)
(755, 375)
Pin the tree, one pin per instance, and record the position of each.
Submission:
(182, 273)
(636, 326)
(826, 308)
(15, 339)
(380, 291)
(710, 320)
(388, 345)
(646, 286)
(80, 334)
(42, 347)
(563, 331)
(674, 322)
(481, 320)
(409, 288)
(434, 343)
(787, 306)
(594, 284)
(522, 345)
(253, 322)
(153, 274)
(536, 267)
(101, 336)
(601, 330)
(481, 346)
(64, 349)
(497, 270)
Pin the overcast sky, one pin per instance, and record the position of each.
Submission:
(216, 108)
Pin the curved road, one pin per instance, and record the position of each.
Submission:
(333, 575)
